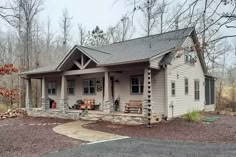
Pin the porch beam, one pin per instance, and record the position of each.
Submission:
(85, 71)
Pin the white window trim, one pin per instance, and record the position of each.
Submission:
(89, 93)
(50, 82)
(173, 88)
(70, 87)
(186, 93)
(197, 90)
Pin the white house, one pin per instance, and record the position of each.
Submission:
(165, 72)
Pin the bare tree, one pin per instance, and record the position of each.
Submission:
(150, 13)
(49, 38)
(82, 34)
(66, 27)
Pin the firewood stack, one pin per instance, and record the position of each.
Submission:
(13, 114)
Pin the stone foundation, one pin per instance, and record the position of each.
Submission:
(118, 118)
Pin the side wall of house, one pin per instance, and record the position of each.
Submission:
(158, 91)
(177, 72)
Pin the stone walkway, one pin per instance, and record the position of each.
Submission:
(75, 130)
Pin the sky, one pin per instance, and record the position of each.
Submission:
(89, 13)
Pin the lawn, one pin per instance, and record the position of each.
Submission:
(32, 137)
(221, 131)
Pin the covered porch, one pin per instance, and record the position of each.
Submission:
(104, 85)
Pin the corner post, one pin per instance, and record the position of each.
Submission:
(147, 96)
(28, 99)
(63, 99)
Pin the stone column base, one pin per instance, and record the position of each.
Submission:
(45, 103)
(107, 107)
(64, 106)
(28, 104)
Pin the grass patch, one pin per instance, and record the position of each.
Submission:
(193, 116)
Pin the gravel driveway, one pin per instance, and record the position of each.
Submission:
(32, 137)
(220, 131)
(149, 148)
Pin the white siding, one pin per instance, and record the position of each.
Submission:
(158, 91)
(122, 88)
(177, 72)
(78, 90)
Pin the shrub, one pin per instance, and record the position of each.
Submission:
(193, 116)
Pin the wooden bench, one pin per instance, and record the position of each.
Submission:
(134, 106)
(88, 104)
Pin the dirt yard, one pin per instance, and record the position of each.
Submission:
(221, 131)
(32, 137)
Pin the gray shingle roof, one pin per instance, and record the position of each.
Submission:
(47, 69)
(130, 50)
(142, 48)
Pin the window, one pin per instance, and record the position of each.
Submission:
(137, 85)
(89, 86)
(71, 87)
(209, 91)
(187, 58)
(52, 87)
(196, 90)
(186, 86)
(172, 88)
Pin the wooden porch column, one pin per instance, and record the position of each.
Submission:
(28, 100)
(107, 107)
(44, 98)
(63, 98)
(147, 96)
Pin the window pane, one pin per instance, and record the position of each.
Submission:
(49, 91)
(196, 89)
(53, 91)
(92, 82)
(173, 88)
(86, 90)
(71, 91)
(53, 84)
(92, 90)
(85, 83)
(134, 81)
(135, 89)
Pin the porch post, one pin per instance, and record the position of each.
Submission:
(63, 99)
(107, 107)
(147, 96)
(44, 99)
(28, 100)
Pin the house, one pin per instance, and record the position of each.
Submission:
(165, 72)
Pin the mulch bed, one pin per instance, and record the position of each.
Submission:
(221, 131)
(32, 140)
